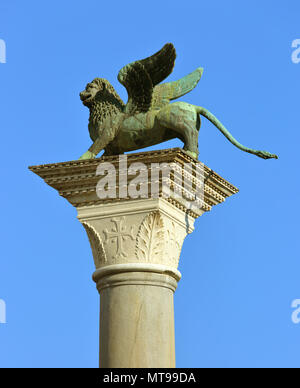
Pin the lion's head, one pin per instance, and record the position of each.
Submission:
(103, 102)
(98, 91)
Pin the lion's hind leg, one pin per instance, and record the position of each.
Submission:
(181, 119)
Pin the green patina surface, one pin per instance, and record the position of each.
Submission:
(149, 117)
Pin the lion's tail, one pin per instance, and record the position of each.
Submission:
(209, 116)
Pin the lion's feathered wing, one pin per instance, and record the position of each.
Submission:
(140, 78)
(142, 81)
(168, 91)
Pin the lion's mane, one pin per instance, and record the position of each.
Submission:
(106, 103)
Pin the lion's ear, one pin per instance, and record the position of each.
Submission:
(98, 83)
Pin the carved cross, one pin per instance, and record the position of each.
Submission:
(118, 234)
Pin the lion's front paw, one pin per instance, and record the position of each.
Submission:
(87, 155)
(192, 154)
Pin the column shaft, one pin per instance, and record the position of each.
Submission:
(137, 316)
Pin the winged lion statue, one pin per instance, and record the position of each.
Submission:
(148, 118)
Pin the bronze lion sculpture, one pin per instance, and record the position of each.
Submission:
(148, 118)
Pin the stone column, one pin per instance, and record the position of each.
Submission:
(136, 244)
(136, 315)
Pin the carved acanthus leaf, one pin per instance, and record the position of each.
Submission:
(174, 245)
(96, 245)
(150, 238)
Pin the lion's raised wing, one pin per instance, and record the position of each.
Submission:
(140, 78)
(164, 93)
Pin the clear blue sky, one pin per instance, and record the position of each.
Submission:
(241, 265)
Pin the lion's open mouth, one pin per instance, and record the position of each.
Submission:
(85, 96)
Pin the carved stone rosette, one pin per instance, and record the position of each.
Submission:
(136, 245)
